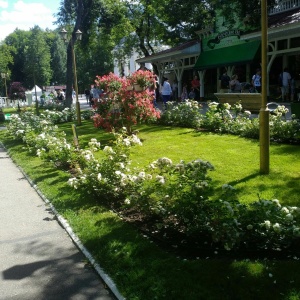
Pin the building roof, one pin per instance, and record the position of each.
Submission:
(177, 50)
(279, 25)
(284, 18)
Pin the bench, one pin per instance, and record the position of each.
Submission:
(249, 101)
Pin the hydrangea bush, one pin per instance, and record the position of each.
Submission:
(185, 114)
(233, 119)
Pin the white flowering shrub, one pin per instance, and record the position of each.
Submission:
(233, 119)
(174, 194)
(27, 121)
(108, 178)
(166, 189)
(270, 225)
(283, 130)
(218, 117)
(185, 114)
(20, 125)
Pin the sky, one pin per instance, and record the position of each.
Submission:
(25, 14)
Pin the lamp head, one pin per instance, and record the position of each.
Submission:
(78, 34)
(63, 34)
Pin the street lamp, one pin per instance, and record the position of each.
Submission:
(78, 36)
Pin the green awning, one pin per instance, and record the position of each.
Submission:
(231, 55)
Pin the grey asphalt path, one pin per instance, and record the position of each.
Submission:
(38, 260)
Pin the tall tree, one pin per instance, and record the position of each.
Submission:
(18, 40)
(244, 11)
(37, 59)
(6, 61)
(58, 59)
(77, 15)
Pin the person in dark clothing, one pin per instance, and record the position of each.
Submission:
(224, 80)
(87, 95)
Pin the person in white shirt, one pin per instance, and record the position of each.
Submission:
(73, 95)
(166, 91)
(285, 77)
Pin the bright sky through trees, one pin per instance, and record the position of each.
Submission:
(24, 14)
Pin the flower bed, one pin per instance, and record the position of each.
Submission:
(170, 197)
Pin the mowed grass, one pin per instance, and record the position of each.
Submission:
(139, 267)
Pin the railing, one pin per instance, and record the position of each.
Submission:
(284, 5)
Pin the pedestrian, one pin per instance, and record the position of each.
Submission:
(256, 81)
(60, 96)
(285, 78)
(224, 80)
(166, 91)
(157, 92)
(235, 85)
(73, 95)
(196, 86)
(292, 87)
(184, 94)
(175, 90)
(95, 95)
(152, 90)
(192, 94)
(87, 93)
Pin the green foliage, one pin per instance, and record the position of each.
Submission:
(223, 118)
(58, 59)
(37, 57)
(6, 60)
(132, 259)
(247, 12)
(176, 196)
(122, 106)
(18, 41)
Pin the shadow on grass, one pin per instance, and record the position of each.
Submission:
(245, 179)
(284, 149)
(142, 271)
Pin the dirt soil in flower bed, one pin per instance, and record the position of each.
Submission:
(196, 247)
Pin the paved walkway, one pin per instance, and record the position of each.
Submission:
(38, 260)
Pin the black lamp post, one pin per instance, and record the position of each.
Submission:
(78, 34)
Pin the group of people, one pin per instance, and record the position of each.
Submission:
(286, 83)
(170, 92)
(233, 85)
(93, 95)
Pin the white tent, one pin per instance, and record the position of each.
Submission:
(38, 92)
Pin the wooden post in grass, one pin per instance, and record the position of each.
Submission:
(75, 136)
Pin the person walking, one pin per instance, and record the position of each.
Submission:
(87, 93)
(285, 78)
(166, 91)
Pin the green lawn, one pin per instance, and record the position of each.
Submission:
(143, 270)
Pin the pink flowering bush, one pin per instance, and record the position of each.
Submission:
(142, 78)
(121, 106)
